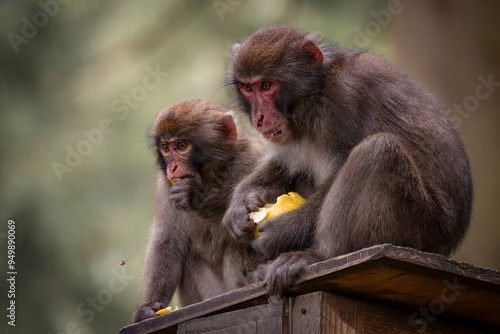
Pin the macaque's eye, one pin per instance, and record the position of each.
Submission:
(246, 87)
(182, 145)
(163, 147)
(266, 85)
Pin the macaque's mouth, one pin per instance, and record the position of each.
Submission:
(175, 178)
(274, 134)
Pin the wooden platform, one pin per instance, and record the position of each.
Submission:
(381, 289)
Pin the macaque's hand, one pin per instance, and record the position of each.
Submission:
(278, 226)
(236, 218)
(147, 311)
(278, 275)
(182, 193)
(273, 236)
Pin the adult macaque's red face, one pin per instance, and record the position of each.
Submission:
(266, 119)
(176, 154)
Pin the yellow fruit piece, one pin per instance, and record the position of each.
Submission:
(284, 203)
(260, 215)
(174, 180)
(164, 310)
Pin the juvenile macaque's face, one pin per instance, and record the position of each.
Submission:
(176, 154)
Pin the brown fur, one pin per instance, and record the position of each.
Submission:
(188, 249)
(369, 148)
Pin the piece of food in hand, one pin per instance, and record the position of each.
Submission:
(284, 203)
(260, 215)
(164, 310)
(174, 180)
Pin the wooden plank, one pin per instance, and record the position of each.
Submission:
(260, 319)
(415, 280)
(322, 313)
(379, 318)
(253, 317)
(250, 295)
(396, 276)
(325, 313)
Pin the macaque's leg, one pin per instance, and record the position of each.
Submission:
(377, 197)
(200, 282)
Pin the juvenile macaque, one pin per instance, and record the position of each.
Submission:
(201, 157)
(368, 147)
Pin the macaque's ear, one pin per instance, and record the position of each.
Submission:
(235, 47)
(310, 48)
(229, 126)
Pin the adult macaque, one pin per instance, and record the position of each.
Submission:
(368, 147)
(201, 156)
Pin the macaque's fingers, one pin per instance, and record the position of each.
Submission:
(237, 221)
(287, 232)
(272, 238)
(147, 311)
(180, 194)
(281, 273)
(236, 218)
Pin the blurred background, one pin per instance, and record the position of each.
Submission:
(82, 81)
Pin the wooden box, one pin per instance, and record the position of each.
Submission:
(381, 289)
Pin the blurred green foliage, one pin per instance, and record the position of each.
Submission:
(82, 82)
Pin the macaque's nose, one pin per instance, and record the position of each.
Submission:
(172, 167)
(260, 121)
